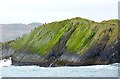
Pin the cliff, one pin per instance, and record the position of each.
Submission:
(71, 42)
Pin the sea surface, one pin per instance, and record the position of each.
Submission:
(81, 71)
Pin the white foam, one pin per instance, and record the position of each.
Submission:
(5, 62)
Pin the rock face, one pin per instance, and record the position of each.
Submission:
(72, 42)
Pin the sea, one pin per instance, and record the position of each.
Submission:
(65, 71)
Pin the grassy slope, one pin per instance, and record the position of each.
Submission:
(0, 45)
(42, 39)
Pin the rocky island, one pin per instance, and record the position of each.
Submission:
(71, 42)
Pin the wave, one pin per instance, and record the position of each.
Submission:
(96, 67)
(6, 62)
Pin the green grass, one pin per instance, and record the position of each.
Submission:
(42, 39)
(1, 43)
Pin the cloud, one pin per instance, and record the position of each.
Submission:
(26, 11)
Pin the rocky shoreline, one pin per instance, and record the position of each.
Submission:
(73, 42)
(23, 58)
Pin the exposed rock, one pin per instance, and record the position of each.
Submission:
(91, 44)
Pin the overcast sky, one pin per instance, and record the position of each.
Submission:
(27, 11)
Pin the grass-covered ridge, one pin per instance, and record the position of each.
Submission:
(87, 33)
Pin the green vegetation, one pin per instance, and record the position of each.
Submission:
(1, 43)
(43, 38)
(87, 33)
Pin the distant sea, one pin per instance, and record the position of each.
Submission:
(81, 71)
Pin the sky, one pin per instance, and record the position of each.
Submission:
(45, 11)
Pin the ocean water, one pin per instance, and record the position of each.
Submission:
(81, 71)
